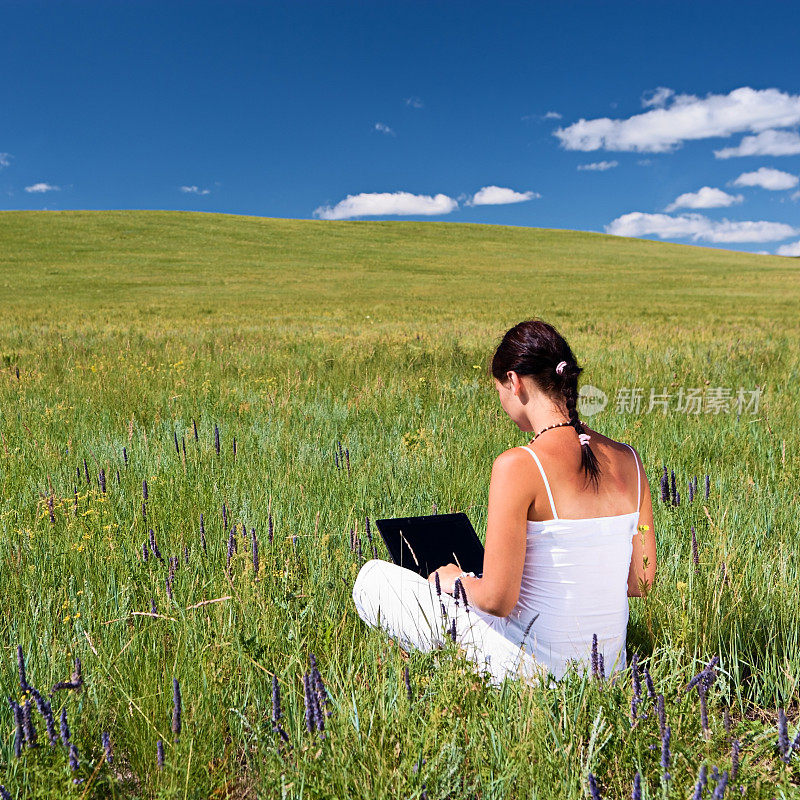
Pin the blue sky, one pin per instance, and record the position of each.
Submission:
(464, 112)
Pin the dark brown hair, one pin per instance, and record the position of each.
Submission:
(535, 348)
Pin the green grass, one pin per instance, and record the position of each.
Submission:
(292, 336)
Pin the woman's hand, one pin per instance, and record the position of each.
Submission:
(447, 577)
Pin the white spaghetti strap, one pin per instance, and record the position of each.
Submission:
(544, 478)
(638, 478)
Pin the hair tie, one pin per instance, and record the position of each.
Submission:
(560, 367)
(584, 438)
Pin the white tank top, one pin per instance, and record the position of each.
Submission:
(574, 585)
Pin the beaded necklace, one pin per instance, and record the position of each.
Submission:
(557, 425)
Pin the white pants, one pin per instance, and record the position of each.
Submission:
(406, 606)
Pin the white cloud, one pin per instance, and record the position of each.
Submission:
(5, 159)
(658, 97)
(498, 196)
(698, 227)
(383, 128)
(194, 190)
(552, 115)
(41, 188)
(704, 198)
(370, 204)
(414, 102)
(687, 117)
(792, 249)
(600, 166)
(766, 143)
(773, 179)
(796, 196)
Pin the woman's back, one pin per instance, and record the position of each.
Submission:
(577, 557)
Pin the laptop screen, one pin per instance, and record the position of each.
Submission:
(423, 544)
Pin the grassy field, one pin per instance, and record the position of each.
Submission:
(120, 331)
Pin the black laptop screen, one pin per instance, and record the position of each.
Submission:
(423, 544)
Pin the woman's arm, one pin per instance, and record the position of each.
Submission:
(642, 571)
(497, 591)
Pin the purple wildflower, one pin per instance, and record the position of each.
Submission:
(347, 459)
(101, 479)
(73, 757)
(183, 448)
(46, 710)
(145, 494)
(701, 690)
(28, 728)
(695, 553)
(702, 780)
(783, 737)
(119, 480)
(269, 528)
(4, 793)
(168, 585)
(145, 551)
(651, 689)
(86, 472)
(154, 545)
(595, 663)
(662, 714)
(708, 485)
(319, 685)
(216, 438)
(722, 784)
(595, 792)
(691, 491)
(203, 534)
(23, 678)
(153, 607)
(276, 710)
(50, 508)
(234, 447)
(75, 682)
(105, 738)
(601, 666)
(125, 456)
(677, 498)
(194, 429)
(407, 681)
(308, 697)
(453, 633)
(224, 517)
(665, 486)
(457, 592)
(231, 548)
(466, 604)
(144, 512)
(673, 489)
(636, 794)
(175, 437)
(19, 734)
(336, 459)
(160, 754)
(254, 544)
(665, 753)
(65, 734)
(735, 752)
(177, 707)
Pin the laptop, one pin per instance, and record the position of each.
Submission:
(423, 544)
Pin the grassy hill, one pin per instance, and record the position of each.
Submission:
(129, 340)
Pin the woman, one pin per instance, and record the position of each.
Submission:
(569, 537)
